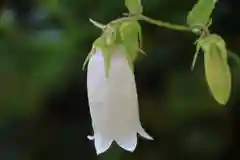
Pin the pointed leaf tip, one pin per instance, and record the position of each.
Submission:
(93, 50)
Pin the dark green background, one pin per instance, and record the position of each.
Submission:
(44, 111)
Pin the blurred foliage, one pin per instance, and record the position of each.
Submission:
(43, 104)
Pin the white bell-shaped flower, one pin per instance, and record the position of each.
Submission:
(113, 102)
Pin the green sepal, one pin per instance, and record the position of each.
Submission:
(93, 50)
(130, 32)
(110, 35)
(97, 24)
(201, 12)
(130, 63)
(107, 51)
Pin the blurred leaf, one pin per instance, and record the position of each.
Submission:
(7, 19)
(37, 64)
(134, 6)
(201, 12)
(51, 5)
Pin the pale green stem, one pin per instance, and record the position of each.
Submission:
(124, 19)
(169, 26)
(152, 21)
(234, 56)
(164, 24)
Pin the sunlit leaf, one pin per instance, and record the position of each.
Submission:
(134, 6)
(201, 12)
(217, 70)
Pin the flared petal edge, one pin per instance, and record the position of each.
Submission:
(144, 134)
(128, 143)
(102, 144)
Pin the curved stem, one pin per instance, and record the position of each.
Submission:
(164, 24)
(124, 19)
(152, 21)
(234, 56)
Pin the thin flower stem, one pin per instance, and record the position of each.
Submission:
(234, 56)
(171, 26)
(153, 21)
(164, 24)
(124, 19)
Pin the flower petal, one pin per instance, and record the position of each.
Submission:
(123, 100)
(113, 102)
(128, 142)
(102, 143)
(122, 96)
(90, 137)
(99, 109)
(144, 134)
(97, 92)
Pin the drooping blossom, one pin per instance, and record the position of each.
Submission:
(113, 102)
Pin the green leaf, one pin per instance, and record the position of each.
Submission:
(201, 12)
(134, 6)
(216, 40)
(218, 75)
(131, 39)
(6, 19)
(217, 70)
(51, 5)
